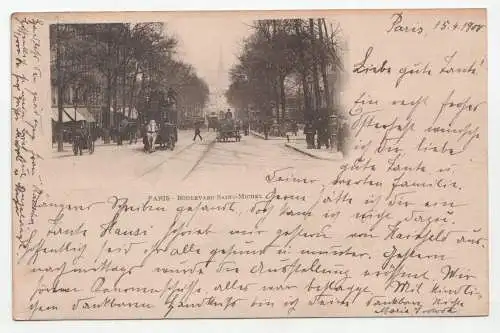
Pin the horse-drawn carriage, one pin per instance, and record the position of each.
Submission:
(227, 131)
(163, 134)
(83, 136)
(246, 127)
(127, 130)
(213, 121)
(160, 128)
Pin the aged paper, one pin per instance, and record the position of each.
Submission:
(249, 164)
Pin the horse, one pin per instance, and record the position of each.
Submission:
(134, 132)
(81, 140)
(151, 135)
(78, 143)
(213, 123)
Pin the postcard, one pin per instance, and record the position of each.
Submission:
(249, 164)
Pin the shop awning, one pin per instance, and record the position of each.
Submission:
(69, 115)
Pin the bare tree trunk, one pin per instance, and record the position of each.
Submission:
(303, 70)
(115, 98)
(144, 109)
(132, 91)
(326, 85)
(282, 97)
(275, 79)
(107, 109)
(109, 86)
(124, 88)
(317, 93)
(60, 91)
(125, 58)
(133, 97)
(115, 83)
(276, 99)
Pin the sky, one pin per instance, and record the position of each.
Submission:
(205, 40)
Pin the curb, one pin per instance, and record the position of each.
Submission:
(263, 137)
(310, 154)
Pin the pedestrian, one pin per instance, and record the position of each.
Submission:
(197, 132)
(309, 132)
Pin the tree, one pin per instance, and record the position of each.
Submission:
(280, 50)
(125, 62)
(69, 66)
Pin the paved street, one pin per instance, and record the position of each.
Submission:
(190, 162)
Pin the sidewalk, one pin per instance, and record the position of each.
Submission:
(292, 137)
(261, 136)
(322, 154)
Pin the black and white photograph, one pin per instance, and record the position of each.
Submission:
(246, 94)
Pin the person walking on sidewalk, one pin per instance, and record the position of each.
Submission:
(197, 132)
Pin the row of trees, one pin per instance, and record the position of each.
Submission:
(117, 66)
(286, 56)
